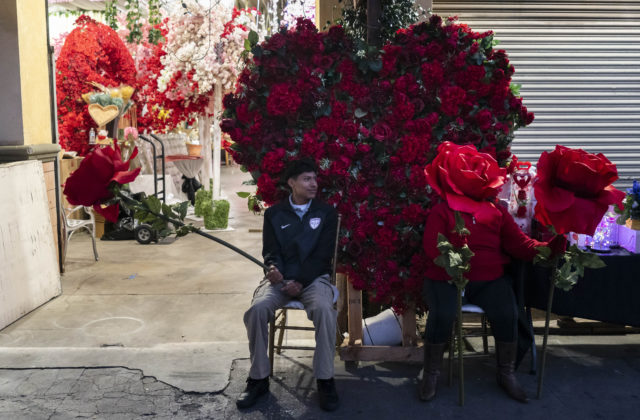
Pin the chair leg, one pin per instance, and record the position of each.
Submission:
(272, 335)
(93, 241)
(281, 326)
(452, 343)
(485, 339)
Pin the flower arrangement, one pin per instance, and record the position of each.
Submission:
(630, 209)
(92, 52)
(372, 121)
(202, 47)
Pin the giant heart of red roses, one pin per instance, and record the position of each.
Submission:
(372, 121)
(92, 52)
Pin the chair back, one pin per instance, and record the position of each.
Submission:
(334, 263)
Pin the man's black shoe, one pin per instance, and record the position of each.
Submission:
(327, 394)
(255, 388)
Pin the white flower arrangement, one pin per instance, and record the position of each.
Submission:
(198, 52)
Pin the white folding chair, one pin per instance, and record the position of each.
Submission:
(72, 225)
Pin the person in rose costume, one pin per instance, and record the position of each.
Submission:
(468, 181)
(297, 245)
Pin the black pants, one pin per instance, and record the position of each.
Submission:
(495, 297)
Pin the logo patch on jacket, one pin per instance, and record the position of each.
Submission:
(314, 223)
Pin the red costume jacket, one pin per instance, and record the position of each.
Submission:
(491, 244)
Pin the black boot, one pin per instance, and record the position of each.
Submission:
(255, 388)
(327, 394)
(506, 354)
(433, 354)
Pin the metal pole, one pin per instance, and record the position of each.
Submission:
(543, 353)
(374, 12)
(460, 351)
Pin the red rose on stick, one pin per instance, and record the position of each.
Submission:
(89, 185)
(574, 189)
(465, 179)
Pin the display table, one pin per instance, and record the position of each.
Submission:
(144, 183)
(189, 166)
(610, 294)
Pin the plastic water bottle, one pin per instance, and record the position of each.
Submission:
(92, 136)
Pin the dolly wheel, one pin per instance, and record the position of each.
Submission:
(144, 235)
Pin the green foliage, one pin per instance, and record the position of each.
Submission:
(154, 19)
(204, 200)
(396, 14)
(217, 217)
(455, 259)
(574, 261)
(110, 14)
(105, 99)
(133, 22)
(164, 219)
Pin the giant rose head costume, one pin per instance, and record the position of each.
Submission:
(467, 180)
(573, 189)
(89, 185)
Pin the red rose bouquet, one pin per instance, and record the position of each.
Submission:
(372, 120)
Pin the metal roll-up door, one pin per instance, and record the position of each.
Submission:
(579, 66)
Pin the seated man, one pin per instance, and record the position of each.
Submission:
(297, 244)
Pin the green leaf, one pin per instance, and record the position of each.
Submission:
(182, 209)
(459, 227)
(243, 194)
(153, 204)
(375, 65)
(247, 45)
(253, 37)
(359, 113)
(590, 260)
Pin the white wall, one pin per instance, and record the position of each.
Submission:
(29, 273)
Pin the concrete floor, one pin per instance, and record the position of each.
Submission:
(173, 310)
(156, 331)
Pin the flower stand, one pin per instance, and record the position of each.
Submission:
(352, 348)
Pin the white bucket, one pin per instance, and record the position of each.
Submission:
(384, 329)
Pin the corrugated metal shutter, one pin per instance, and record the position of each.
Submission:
(579, 66)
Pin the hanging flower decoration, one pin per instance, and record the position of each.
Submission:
(92, 52)
(373, 121)
(202, 46)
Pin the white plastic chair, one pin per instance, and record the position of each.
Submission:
(73, 225)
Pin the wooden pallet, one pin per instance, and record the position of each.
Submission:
(352, 348)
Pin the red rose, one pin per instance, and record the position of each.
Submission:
(89, 184)
(574, 190)
(466, 178)
(282, 100)
(452, 97)
(522, 195)
(381, 131)
(484, 119)
(522, 211)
